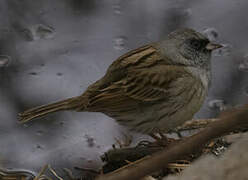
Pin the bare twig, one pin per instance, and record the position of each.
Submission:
(148, 178)
(44, 168)
(150, 164)
(69, 173)
(177, 166)
(196, 124)
(54, 173)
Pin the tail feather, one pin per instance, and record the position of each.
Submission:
(68, 104)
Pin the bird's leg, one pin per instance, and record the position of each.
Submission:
(160, 138)
(127, 140)
(179, 134)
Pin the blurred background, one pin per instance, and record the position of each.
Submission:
(51, 50)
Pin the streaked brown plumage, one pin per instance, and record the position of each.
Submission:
(146, 89)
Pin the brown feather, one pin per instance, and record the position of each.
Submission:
(139, 90)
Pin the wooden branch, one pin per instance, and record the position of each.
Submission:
(116, 158)
(150, 164)
(130, 154)
(196, 124)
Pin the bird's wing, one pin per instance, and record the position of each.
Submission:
(140, 75)
(154, 83)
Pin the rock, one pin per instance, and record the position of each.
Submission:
(232, 165)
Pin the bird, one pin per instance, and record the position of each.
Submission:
(156, 87)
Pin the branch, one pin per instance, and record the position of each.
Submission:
(150, 164)
(195, 124)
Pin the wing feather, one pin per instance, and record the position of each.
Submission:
(138, 75)
(153, 83)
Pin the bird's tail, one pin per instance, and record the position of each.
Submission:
(68, 104)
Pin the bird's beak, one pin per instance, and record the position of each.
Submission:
(212, 46)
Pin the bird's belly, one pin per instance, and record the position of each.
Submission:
(164, 115)
(180, 112)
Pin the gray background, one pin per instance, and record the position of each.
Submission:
(55, 49)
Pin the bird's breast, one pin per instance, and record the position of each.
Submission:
(204, 75)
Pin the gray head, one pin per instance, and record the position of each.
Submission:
(188, 47)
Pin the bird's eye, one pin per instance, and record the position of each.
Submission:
(195, 44)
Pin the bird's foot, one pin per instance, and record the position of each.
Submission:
(125, 142)
(161, 139)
